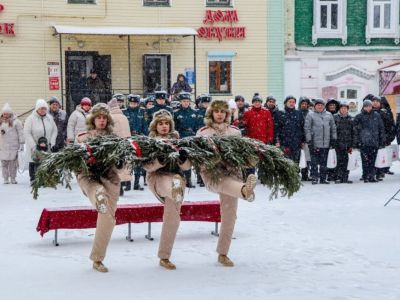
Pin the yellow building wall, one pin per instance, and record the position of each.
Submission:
(23, 58)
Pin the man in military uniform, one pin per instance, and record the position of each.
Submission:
(203, 101)
(161, 98)
(186, 123)
(137, 125)
(96, 87)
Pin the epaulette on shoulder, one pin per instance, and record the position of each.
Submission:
(203, 128)
(82, 133)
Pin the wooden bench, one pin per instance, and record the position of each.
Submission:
(82, 217)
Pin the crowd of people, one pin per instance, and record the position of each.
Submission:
(311, 125)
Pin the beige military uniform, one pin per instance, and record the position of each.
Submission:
(229, 189)
(105, 222)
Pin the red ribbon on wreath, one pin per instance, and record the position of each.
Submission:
(91, 160)
(136, 146)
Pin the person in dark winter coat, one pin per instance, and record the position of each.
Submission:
(237, 116)
(389, 126)
(320, 131)
(186, 122)
(95, 87)
(290, 134)
(270, 104)
(332, 106)
(180, 85)
(258, 122)
(137, 125)
(160, 103)
(369, 136)
(344, 144)
(304, 108)
(61, 119)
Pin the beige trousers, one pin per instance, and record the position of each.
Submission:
(9, 168)
(105, 222)
(229, 189)
(161, 186)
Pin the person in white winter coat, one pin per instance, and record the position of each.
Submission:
(38, 124)
(11, 140)
(77, 120)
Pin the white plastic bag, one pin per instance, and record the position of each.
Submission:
(382, 159)
(389, 150)
(332, 160)
(395, 152)
(303, 161)
(354, 160)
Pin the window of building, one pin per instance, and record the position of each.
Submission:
(82, 1)
(214, 3)
(156, 2)
(382, 20)
(329, 20)
(348, 94)
(220, 77)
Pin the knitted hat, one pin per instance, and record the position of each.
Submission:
(217, 105)
(53, 100)
(98, 110)
(367, 103)
(40, 103)
(343, 103)
(318, 101)
(6, 109)
(162, 115)
(271, 98)
(86, 101)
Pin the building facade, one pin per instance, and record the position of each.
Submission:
(341, 48)
(49, 47)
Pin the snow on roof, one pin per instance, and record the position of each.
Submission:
(109, 30)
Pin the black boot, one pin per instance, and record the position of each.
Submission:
(188, 177)
(136, 185)
(127, 185)
(144, 178)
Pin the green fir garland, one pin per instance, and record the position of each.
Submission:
(217, 155)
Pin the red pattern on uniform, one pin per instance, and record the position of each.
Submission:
(259, 124)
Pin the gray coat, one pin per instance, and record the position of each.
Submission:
(320, 129)
(10, 139)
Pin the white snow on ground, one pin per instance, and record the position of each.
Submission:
(327, 242)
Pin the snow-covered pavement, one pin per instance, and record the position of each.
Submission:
(326, 242)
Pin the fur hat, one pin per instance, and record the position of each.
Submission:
(6, 109)
(40, 103)
(217, 105)
(162, 115)
(319, 101)
(98, 110)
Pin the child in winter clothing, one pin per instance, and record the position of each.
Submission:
(40, 152)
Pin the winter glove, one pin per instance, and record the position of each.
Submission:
(350, 150)
(183, 155)
(119, 164)
(54, 149)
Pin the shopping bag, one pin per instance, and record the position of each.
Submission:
(22, 166)
(382, 158)
(395, 152)
(303, 161)
(332, 160)
(354, 160)
(389, 150)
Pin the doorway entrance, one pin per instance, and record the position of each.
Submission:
(156, 73)
(78, 65)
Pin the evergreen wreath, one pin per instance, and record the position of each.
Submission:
(217, 155)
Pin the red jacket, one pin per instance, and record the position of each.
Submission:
(259, 124)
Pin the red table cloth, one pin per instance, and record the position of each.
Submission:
(81, 217)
